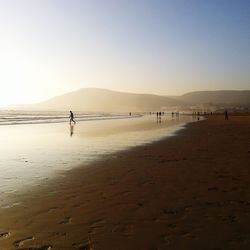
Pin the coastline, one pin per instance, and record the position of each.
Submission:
(189, 191)
(34, 154)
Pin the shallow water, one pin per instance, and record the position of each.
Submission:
(31, 154)
(13, 117)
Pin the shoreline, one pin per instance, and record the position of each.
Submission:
(33, 154)
(51, 120)
(188, 191)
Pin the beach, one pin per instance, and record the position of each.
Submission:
(32, 154)
(188, 191)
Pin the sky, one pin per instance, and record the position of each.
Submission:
(167, 47)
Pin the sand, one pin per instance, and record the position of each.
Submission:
(190, 191)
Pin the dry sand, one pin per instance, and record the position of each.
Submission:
(190, 191)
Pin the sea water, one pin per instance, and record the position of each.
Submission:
(32, 151)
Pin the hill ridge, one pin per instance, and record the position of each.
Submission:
(100, 99)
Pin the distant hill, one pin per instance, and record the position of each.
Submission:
(92, 99)
(103, 100)
(228, 97)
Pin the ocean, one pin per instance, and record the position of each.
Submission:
(39, 146)
(12, 117)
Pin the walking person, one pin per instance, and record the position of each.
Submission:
(71, 116)
(226, 115)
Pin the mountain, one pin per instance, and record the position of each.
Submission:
(93, 99)
(220, 97)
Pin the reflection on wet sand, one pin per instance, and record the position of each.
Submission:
(71, 129)
(32, 154)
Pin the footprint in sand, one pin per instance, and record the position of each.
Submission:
(126, 230)
(170, 211)
(232, 218)
(213, 189)
(82, 246)
(4, 235)
(221, 176)
(52, 209)
(77, 205)
(97, 225)
(66, 220)
(19, 243)
(37, 248)
(172, 225)
(188, 235)
(165, 238)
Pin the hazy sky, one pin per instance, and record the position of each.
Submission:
(48, 47)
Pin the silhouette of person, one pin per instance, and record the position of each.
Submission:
(71, 116)
(226, 115)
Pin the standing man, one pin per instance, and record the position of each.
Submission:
(71, 116)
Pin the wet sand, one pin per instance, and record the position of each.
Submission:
(32, 153)
(190, 191)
